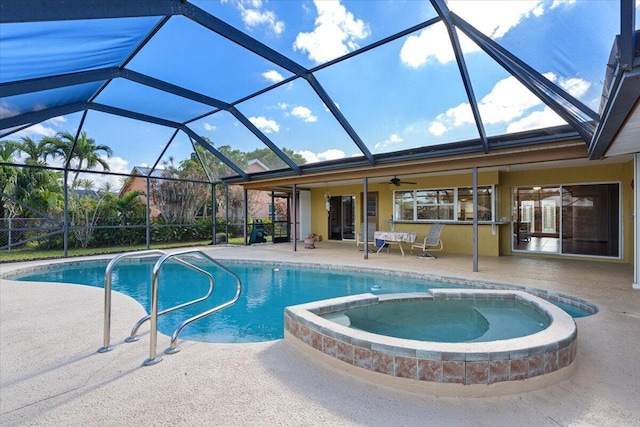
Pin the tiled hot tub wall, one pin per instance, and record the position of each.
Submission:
(463, 363)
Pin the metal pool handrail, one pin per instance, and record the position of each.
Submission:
(106, 344)
(174, 338)
(134, 337)
(153, 358)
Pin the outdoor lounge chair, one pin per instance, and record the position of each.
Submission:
(432, 242)
(370, 232)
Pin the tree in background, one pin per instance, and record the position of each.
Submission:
(85, 212)
(129, 206)
(8, 174)
(271, 160)
(35, 152)
(37, 189)
(85, 154)
(178, 200)
(216, 169)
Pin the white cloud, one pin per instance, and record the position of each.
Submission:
(273, 76)
(209, 127)
(547, 117)
(116, 165)
(264, 124)
(558, 3)
(254, 16)
(430, 44)
(493, 18)
(509, 100)
(437, 128)
(57, 120)
(41, 129)
(303, 113)
(7, 110)
(392, 140)
(536, 120)
(331, 154)
(34, 131)
(337, 105)
(576, 87)
(336, 32)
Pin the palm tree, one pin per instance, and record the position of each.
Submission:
(85, 153)
(8, 174)
(28, 184)
(36, 151)
(106, 188)
(128, 204)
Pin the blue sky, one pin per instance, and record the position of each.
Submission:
(402, 95)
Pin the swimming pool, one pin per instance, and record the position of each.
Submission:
(267, 289)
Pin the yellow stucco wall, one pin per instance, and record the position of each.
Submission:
(610, 173)
(492, 240)
(457, 237)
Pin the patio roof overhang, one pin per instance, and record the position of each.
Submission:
(498, 159)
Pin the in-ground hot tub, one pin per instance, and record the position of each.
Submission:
(481, 361)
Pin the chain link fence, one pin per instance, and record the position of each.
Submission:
(15, 232)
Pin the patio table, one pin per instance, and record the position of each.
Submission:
(394, 237)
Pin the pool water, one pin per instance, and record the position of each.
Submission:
(449, 320)
(259, 313)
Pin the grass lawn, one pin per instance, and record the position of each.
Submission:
(32, 252)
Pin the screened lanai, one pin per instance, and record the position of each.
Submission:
(280, 96)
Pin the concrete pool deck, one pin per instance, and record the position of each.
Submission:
(51, 374)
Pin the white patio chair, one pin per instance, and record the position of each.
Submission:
(370, 231)
(432, 242)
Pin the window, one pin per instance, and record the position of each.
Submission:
(372, 205)
(591, 219)
(443, 204)
(403, 206)
(434, 204)
(465, 204)
(549, 216)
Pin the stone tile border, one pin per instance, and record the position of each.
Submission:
(467, 364)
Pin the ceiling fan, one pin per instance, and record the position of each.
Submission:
(398, 182)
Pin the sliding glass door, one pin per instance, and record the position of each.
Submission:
(342, 218)
(537, 213)
(568, 219)
(591, 219)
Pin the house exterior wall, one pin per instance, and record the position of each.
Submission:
(139, 183)
(260, 205)
(610, 173)
(493, 240)
(259, 202)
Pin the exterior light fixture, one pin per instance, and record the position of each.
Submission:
(327, 198)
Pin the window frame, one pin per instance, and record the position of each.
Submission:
(439, 205)
(561, 252)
